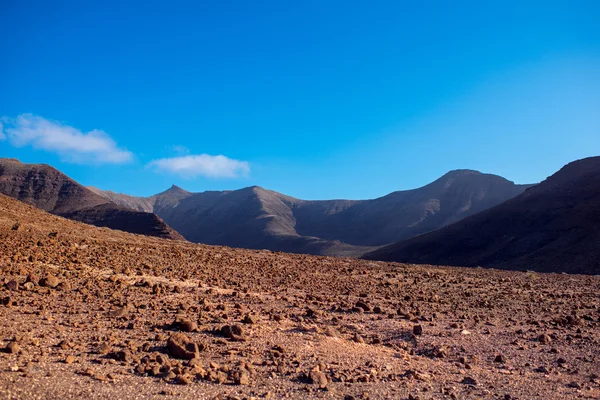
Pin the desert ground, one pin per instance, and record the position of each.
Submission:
(89, 312)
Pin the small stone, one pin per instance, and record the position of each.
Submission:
(122, 355)
(248, 319)
(7, 301)
(12, 348)
(185, 325)
(232, 332)
(195, 363)
(363, 305)
(221, 377)
(330, 331)
(104, 349)
(544, 339)
(316, 377)
(119, 312)
(50, 281)
(243, 378)
(358, 339)
(69, 360)
(542, 370)
(183, 379)
(500, 359)
(467, 380)
(310, 313)
(572, 320)
(180, 346)
(12, 285)
(417, 330)
(420, 376)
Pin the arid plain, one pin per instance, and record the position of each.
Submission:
(91, 312)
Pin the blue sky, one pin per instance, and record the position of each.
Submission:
(316, 99)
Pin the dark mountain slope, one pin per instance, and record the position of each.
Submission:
(44, 187)
(135, 203)
(49, 189)
(553, 226)
(404, 214)
(257, 218)
(252, 218)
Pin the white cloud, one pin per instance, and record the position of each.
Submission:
(71, 144)
(206, 165)
(2, 135)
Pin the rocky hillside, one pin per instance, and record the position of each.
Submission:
(103, 314)
(553, 226)
(50, 190)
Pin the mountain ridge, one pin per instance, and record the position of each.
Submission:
(255, 217)
(551, 226)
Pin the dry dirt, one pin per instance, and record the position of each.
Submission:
(92, 313)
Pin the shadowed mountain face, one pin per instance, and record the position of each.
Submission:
(48, 189)
(553, 226)
(257, 218)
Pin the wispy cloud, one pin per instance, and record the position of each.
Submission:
(192, 166)
(71, 144)
(2, 135)
(180, 150)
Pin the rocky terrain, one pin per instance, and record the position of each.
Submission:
(88, 312)
(553, 226)
(49, 189)
(257, 218)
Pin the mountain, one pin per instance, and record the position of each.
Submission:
(49, 189)
(168, 199)
(132, 202)
(257, 218)
(553, 226)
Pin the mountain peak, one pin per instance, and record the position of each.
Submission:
(14, 160)
(253, 189)
(470, 175)
(256, 187)
(461, 172)
(174, 189)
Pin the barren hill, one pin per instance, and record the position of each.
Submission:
(95, 313)
(49, 189)
(257, 218)
(553, 226)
